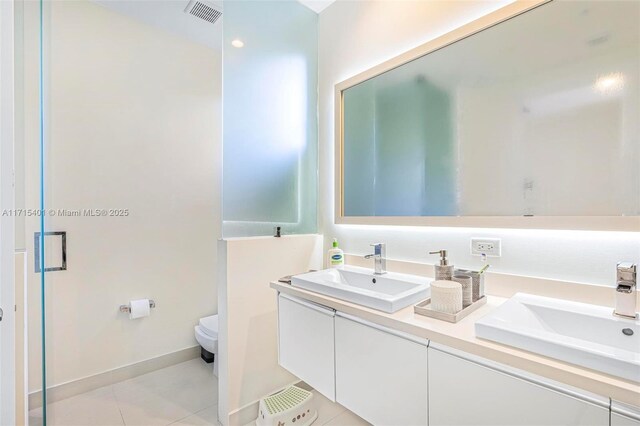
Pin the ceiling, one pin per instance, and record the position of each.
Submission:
(169, 15)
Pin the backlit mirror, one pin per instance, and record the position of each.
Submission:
(537, 115)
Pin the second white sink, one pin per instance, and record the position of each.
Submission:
(389, 292)
(582, 334)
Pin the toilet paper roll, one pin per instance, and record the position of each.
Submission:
(139, 308)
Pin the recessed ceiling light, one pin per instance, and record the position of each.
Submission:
(609, 83)
(237, 43)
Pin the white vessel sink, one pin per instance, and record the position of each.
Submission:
(389, 292)
(582, 334)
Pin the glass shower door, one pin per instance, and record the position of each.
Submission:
(121, 133)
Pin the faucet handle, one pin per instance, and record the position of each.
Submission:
(626, 267)
(378, 248)
(626, 290)
(626, 273)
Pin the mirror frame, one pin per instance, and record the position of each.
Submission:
(593, 223)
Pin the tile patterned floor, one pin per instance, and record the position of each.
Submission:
(333, 414)
(184, 394)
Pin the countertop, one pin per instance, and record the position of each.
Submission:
(461, 336)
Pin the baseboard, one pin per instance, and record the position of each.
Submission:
(244, 415)
(86, 384)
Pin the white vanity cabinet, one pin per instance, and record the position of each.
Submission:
(464, 390)
(305, 342)
(381, 375)
(624, 415)
(388, 377)
(620, 420)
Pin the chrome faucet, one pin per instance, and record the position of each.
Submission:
(380, 258)
(626, 290)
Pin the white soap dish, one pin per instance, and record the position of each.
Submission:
(424, 308)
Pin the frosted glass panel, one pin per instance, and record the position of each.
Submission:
(270, 124)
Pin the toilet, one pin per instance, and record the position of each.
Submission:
(207, 336)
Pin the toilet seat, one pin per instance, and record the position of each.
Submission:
(207, 336)
(206, 341)
(209, 326)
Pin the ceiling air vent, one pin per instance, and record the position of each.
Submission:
(203, 10)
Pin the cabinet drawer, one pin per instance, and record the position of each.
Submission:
(624, 415)
(463, 392)
(306, 342)
(380, 375)
(620, 420)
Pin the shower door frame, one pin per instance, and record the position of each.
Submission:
(7, 222)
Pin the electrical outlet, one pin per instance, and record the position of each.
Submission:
(486, 246)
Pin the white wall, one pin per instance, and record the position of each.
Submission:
(21, 268)
(248, 346)
(353, 37)
(134, 123)
(7, 230)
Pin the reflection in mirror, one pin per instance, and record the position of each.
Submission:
(537, 115)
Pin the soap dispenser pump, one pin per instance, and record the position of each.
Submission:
(444, 271)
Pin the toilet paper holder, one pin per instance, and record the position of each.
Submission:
(127, 309)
